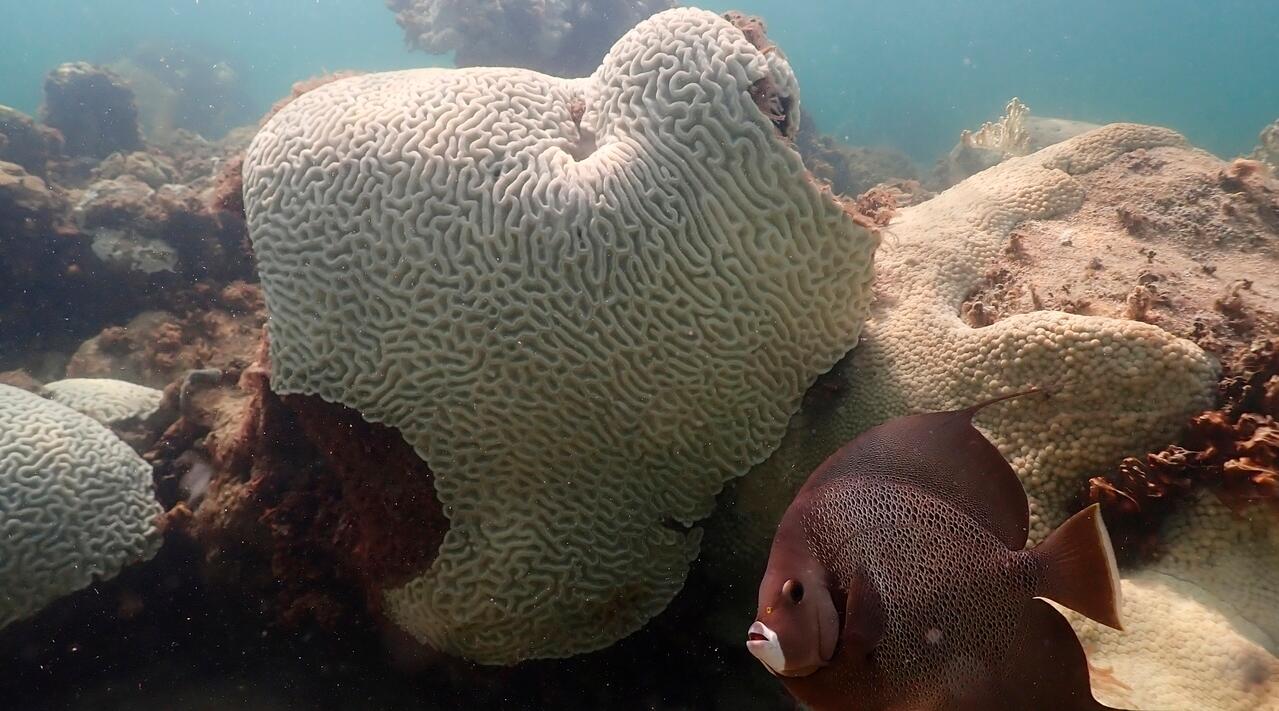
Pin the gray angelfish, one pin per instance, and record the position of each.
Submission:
(898, 580)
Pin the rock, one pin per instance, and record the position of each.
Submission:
(25, 142)
(93, 108)
(154, 169)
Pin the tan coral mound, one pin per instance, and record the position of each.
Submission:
(586, 303)
(1180, 649)
(1200, 629)
(1114, 387)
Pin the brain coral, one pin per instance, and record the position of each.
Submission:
(1114, 387)
(76, 504)
(1200, 629)
(106, 400)
(586, 303)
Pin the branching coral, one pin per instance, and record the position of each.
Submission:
(1008, 135)
(561, 37)
(586, 303)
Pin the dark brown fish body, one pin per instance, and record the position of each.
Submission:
(915, 532)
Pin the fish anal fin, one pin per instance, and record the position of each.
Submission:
(1046, 668)
(1079, 569)
(945, 455)
(863, 616)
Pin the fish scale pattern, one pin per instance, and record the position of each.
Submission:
(76, 504)
(586, 303)
(950, 605)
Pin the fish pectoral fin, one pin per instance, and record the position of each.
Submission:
(863, 616)
(1046, 668)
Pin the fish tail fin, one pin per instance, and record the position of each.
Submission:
(1079, 568)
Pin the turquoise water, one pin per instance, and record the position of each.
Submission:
(909, 73)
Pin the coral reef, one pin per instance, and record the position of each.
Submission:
(93, 109)
(79, 504)
(850, 170)
(27, 143)
(1232, 451)
(605, 330)
(559, 37)
(1016, 133)
(1114, 387)
(157, 348)
(95, 242)
(182, 88)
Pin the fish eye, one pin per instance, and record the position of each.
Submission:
(793, 589)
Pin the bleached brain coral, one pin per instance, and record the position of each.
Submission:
(106, 400)
(586, 303)
(76, 504)
(1114, 387)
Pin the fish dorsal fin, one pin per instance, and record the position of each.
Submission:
(942, 453)
(1046, 668)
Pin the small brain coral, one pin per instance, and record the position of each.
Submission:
(586, 303)
(76, 503)
(1112, 387)
(106, 400)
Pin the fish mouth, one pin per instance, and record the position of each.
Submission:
(764, 645)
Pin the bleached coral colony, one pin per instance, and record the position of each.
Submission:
(78, 504)
(629, 283)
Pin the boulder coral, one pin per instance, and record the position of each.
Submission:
(1112, 387)
(78, 504)
(585, 303)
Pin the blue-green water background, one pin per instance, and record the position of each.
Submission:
(909, 73)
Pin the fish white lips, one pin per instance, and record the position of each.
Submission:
(763, 644)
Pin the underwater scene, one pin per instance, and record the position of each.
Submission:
(629, 354)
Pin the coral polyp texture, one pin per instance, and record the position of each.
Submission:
(106, 400)
(586, 303)
(77, 504)
(1111, 387)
